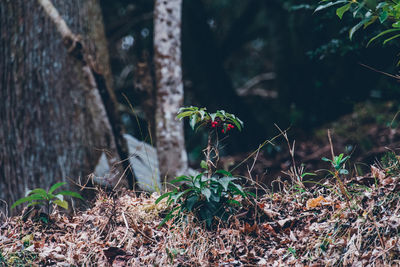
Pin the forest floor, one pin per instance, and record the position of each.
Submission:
(294, 223)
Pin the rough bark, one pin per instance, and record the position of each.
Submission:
(54, 125)
(167, 47)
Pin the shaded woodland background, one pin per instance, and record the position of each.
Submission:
(267, 61)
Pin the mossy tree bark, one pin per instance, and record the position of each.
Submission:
(54, 124)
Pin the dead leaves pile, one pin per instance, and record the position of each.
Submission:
(313, 227)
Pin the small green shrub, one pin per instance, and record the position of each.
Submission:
(205, 197)
(43, 198)
(338, 164)
(212, 193)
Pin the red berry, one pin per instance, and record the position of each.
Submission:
(223, 131)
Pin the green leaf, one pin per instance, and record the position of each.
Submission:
(206, 192)
(341, 10)
(224, 181)
(207, 216)
(168, 216)
(71, 194)
(191, 201)
(344, 171)
(215, 197)
(381, 34)
(184, 114)
(223, 172)
(391, 38)
(381, 5)
(238, 189)
(212, 116)
(383, 16)
(358, 9)
(204, 179)
(55, 186)
(308, 173)
(326, 159)
(203, 164)
(396, 24)
(202, 114)
(39, 191)
(44, 219)
(359, 25)
(27, 199)
(180, 179)
(51, 197)
(193, 121)
(162, 197)
(180, 194)
(35, 203)
(370, 21)
(344, 159)
(321, 7)
(61, 203)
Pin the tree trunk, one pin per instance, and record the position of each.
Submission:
(54, 124)
(169, 97)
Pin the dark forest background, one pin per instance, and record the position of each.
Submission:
(267, 61)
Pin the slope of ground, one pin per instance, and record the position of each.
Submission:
(296, 226)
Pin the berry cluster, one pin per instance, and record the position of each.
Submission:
(228, 128)
(214, 124)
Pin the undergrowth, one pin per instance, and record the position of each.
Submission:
(341, 220)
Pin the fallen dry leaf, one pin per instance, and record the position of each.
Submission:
(315, 202)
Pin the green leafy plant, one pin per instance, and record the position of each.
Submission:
(43, 198)
(220, 119)
(368, 12)
(205, 197)
(212, 193)
(338, 165)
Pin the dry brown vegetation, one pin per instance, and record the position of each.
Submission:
(294, 226)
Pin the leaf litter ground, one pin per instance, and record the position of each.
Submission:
(292, 227)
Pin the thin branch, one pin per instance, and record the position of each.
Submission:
(330, 143)
(397, 77)
(52, 12)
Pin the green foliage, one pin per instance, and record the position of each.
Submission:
(210, 194)
(200, 117)
(338, 163)
(368, 12)
(42, 197)
(391, 164)
(206, 197)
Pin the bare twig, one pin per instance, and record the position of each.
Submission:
(397, 77)
(268, 141)
(330, 143)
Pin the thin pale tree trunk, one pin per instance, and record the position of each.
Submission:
(169, 97)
